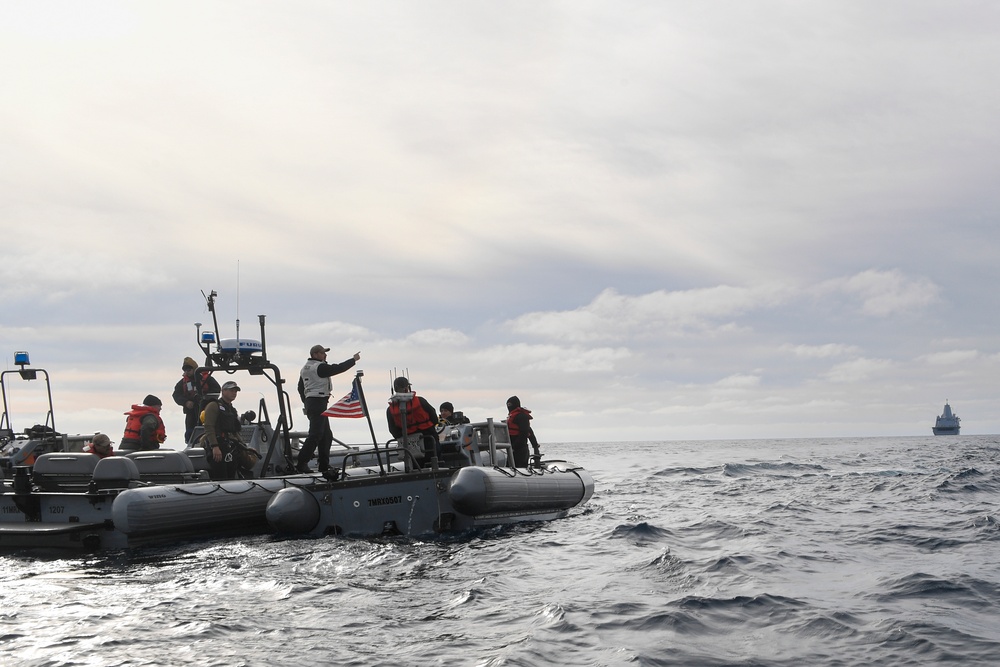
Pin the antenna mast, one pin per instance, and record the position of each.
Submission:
(237, 303)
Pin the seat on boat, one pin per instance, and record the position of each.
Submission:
(164, 466)
(198, 457)
(64, 471)
(453, 455)
(115, 472)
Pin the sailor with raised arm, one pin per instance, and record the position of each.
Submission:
(315, 387)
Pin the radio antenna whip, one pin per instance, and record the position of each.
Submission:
(237, 305)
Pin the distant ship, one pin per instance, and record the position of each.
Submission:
(947, 423)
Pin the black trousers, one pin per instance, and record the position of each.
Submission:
(224, 469)
(320, 436)
(191, 420)
(519, 443)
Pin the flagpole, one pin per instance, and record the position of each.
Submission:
(364, 408)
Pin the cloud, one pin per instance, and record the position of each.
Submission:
(477, 194)
(950, 358)
(713, 311)
(738, 382)
(612, 316)
(336, 331)
(821, 351)
(446, 338)
(553, 358)
(886, 293)
(858, 369)
(28, 270)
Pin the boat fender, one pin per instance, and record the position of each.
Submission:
(293, 511)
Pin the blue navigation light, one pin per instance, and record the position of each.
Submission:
(21, 358)
(207, 336)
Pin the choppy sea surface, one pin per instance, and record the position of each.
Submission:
(819, 552)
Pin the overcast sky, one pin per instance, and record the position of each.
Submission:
(651, 220)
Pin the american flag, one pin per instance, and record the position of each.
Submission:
(349, 406)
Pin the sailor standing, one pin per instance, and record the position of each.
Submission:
(315, 387)
(519, 428)
(222, 433)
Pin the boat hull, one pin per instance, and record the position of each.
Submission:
(77, 501)
(143, 516)
(430, 501)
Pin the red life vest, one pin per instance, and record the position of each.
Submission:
(417, 418)
(512, 427)
(133, 423)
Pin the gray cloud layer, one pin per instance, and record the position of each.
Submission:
(675, 221)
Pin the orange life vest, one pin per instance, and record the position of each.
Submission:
(512, 427)
(417, 418)
(133, 423)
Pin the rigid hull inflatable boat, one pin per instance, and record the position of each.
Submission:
(73, 500)
(22, 448)
(70, 499)
(76, 500)
(391, 491)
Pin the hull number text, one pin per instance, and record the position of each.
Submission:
(387, 500)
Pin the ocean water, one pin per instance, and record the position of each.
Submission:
(819, 552)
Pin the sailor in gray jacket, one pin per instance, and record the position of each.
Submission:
(315, 387)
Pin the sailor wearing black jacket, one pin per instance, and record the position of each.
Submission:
(222, 433)
(449, 416)
(519, 428)
(191, 392)
(315, 387)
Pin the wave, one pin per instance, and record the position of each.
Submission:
(908, 535)
(635, 617)
(688, 472)
(664, 563)
(836, 626)
(750, 611)
(932, 643)
(985, 525)
(729, 564)
(712, 530)
(784, 469)
(963, 589)
(969, 480)
(640, 532)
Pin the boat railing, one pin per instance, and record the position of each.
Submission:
(367, 459)
(483, 438)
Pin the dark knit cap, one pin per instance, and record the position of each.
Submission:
(151, 400)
